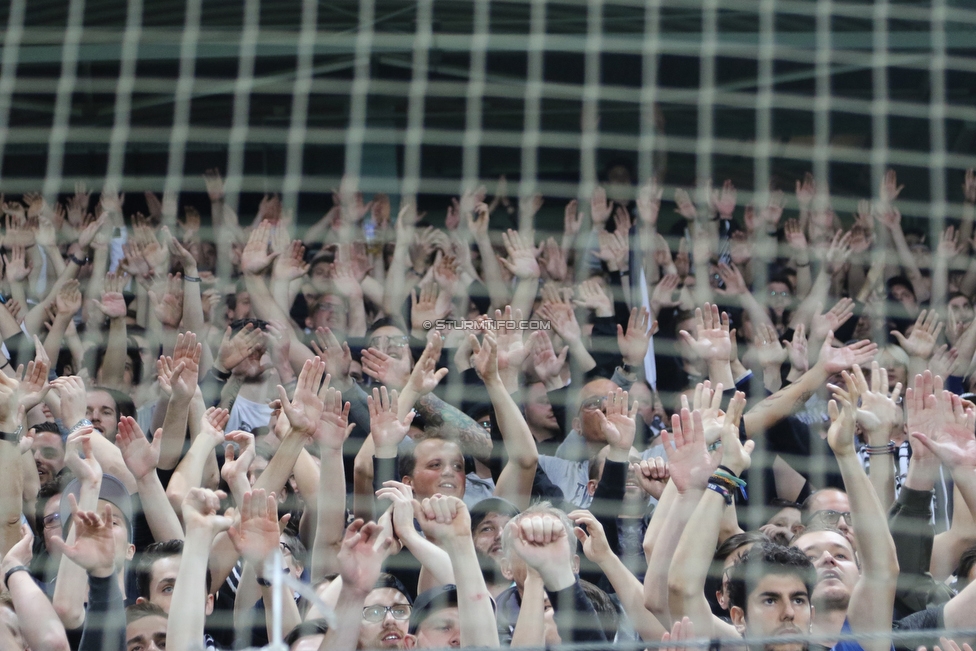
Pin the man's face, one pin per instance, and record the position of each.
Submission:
(442, 630)
(439, 469)
(146, 634)
(388, 633)
(837, 571)
(538, 409)
(962, 309)
(779, 605)
(242, 307)
(48, 449)
(905, 296)
(592, 401)
(488, 535)
(103, 413)
(163, 580)
(120, 532)
(330, 312)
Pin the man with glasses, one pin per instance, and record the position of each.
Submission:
(386, 615)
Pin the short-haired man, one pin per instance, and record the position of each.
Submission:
(145, 627)
(769, 593)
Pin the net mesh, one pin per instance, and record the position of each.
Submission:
(425, 98)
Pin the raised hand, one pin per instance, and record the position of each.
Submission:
(485, 358)
(256, 259)
(545, 362)
(139, 454)
(805, 190)
(333, 427)
(338, 357)
(736, 456)
(572, 219)
(17, 265)
(168, 308)
(215, 184)
(200, 512)
(425, 376)
(236, 347)
(592, 296)
(212, 424)
(554, 260)
(562, 318)
(68, 300)
(942, 423)
(237, 464)
(921, 342)
(879, 412)
(256, 539)
(799, 358)
(652, 475)
(596, 547)
(835, 360)
(364, 548)
(649, 202)
(94, 545)
(303, 411)
(843, 417)
(112, 304)
(689, 462)
(770, 353)
(684, 206)
(443, 518)
(832, 319)
(511, 350)
(541, 540)
(618, 425)
(86, 469)
(387, 429)
(390, 371)
(712, 341)
(522, 256)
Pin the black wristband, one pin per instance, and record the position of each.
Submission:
(220, 375)
(267, 584)
(734, 474)
(80, 263)
(191, 279)
(13, 570)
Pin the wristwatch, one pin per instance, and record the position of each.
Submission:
(84, 422)
(12, 437)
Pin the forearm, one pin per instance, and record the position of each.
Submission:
(96, 284)
(174, 432)
(631, 594)
(784, 402)
(52, 343)
(160, 516)
(71, 587)
(519, 443)
(330, 514)
(39, 623)
(692, 558)
(433, 559)
(530, 628)
(876, 549)
(11, 492)
(188, 473)
(524, 296)
(113, 364)
(349, 615)
(818, 296)
(105, 620)
(882, 476)
(492, 272)
(720, 372)
(659, 563)
(192, 302)
(396, 277)
(475, 610)
(187, 608)
(581, 357)
(357, 316)
(280, 468)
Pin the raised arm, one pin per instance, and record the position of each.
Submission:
(188, 605)
(39, 623)
(11, 493)
(696, 548)
(446, 520)
(141, 458)
(515, 481)
(872, 600)
(332, 431)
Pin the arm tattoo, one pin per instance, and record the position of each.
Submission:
(474, 439)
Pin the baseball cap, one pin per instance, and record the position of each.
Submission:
(429, 602)
(491, 505)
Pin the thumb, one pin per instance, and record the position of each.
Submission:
(581, 535)
(749, 446)
(900, 337)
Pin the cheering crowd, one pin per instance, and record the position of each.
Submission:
(388, 431)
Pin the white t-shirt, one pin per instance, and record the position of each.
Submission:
(248, 415)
